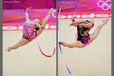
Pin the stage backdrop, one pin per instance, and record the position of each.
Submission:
(85, 5)
(14, 19)
(14, 14)
(35, 4)
(84, 8)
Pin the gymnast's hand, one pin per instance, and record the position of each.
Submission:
(28, 8)
(63, 43)
(72, 24)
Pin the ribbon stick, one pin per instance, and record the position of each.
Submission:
(72, 19)
(77, 7)
(24, 6)
(59, 40)
(69, 71)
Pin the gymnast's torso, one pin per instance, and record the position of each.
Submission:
(29, 31)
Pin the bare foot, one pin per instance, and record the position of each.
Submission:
(105, 21)
(9, 49)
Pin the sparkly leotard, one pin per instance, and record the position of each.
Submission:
(29, 32)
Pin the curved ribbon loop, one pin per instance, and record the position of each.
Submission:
(46, 54)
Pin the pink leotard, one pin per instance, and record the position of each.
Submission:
(29, 31)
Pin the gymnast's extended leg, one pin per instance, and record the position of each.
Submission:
(19, 44)
(95, 34)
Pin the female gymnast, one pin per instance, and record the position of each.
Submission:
(83, 38)
(31, 30)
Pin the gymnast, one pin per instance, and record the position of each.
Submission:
(83, 38)
(31, 29)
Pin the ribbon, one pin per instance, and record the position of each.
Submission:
(70, 73)
(46, 54)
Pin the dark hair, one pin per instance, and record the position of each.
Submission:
(88, 21)
(92, 25)
(37, 28)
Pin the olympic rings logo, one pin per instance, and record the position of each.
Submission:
(105, 5)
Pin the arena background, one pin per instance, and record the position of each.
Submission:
(95, 59)
(27, 60)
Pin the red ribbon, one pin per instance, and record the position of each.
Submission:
(45, 54)
(24, 6)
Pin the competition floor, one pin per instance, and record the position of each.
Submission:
(27, 60)
(93, 60)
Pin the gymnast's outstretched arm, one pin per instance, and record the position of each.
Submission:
(42, 26)
(74, 23)
(26, 14)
